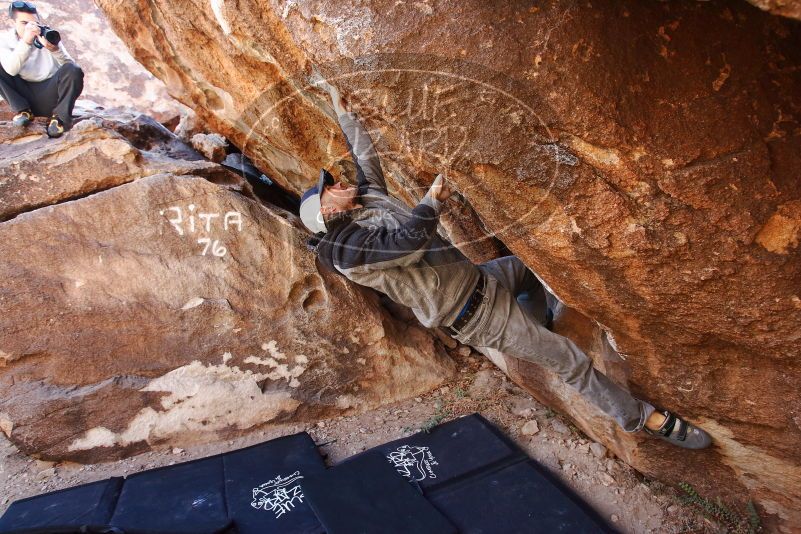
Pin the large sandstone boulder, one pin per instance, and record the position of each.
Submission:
(641, 157)
(165, 304)
(104, 150)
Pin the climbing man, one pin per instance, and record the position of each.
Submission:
(375, 240)
(37, 75)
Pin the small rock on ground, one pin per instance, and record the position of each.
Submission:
(598, 450)
(484, 385)
(530, 428)
(559, 427)
(46, 473)
(524, 407)
(41, 465)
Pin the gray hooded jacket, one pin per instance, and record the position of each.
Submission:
(394, 249)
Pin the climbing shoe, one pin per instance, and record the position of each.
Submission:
(681, 433)
(23, 118)
(55, 128)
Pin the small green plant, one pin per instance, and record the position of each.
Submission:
(753, 517)
(549, 413)
(460, 393)
(440, 414)
(732, 521)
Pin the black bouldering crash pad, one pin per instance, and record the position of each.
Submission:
(86, 505)
(483, 483)
(264, 488)
(255, 490)
(462, 476)
(367, 495)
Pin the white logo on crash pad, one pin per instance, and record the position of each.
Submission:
(413, 462)
(279, 495)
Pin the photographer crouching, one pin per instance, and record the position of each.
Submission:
(38, 77)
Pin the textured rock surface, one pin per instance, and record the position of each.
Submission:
(641, 157)
(213, 146)
(787, 8)
(175, 308)
(103, 150)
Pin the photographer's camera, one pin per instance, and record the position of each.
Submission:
(46, 32)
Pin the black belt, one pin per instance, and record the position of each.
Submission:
(469, 309)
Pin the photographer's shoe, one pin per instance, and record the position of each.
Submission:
(679, 432)
(55, 128)
(23, 118)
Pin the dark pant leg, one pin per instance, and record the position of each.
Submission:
(503, 325)
(513, 274)
(57, 94)
(70, 86)
(14, 90)
(43, 96)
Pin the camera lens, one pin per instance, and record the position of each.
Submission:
(53, 36)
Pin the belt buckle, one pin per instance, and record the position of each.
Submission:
(480, 289)
(473, 304)
(481, 286)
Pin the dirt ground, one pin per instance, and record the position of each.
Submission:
(630, 502)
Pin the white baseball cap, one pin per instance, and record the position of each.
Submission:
(310, 204)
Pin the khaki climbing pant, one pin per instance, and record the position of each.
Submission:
(516, 328)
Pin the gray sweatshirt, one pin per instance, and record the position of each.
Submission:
(394, 249)
(31, 63)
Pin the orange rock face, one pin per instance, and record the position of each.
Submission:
(172, 307)
(642, 158)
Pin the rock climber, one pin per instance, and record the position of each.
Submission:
(37, 75)
(375, 240)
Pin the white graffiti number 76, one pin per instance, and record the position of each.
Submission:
(213, 245)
